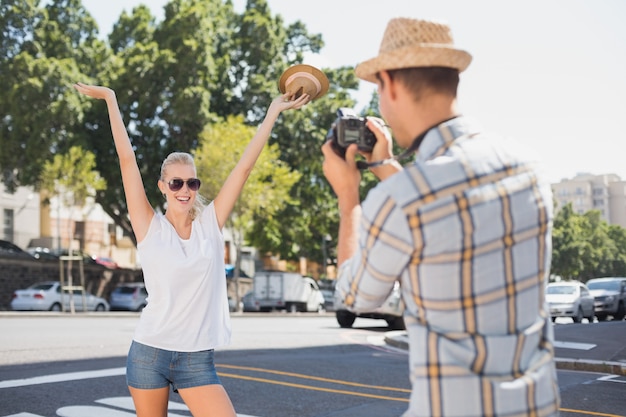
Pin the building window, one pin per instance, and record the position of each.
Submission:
(8, 226)
(598, 202)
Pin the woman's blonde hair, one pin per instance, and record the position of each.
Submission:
(184, 158)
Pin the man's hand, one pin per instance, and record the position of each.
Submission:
(342, 174)
(383, 149)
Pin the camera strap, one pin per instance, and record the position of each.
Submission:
(362, 165)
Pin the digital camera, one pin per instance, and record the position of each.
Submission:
(349, 128)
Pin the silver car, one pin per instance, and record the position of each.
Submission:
(570, 299)
(47, 296)
(130, 296)
(610, 297)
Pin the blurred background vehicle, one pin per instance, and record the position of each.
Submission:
(106, 262)
(609, 294)
(329, 299)
(570, 299)
(39, 252)
(290, 291)
(48, 253)
(250, 303)
(46, 296)
(391, 311)
(9, 249)
(130, 296)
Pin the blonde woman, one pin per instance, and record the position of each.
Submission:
(182, 253)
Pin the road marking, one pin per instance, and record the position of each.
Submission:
(70, 376)
(612, 378)
(98, 411)
(314, 388)
(23, 415)
(572, 345)
(311, 377)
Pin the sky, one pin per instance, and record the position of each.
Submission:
(549, 73)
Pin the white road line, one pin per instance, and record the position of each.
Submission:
(572, 345)
(612, 378)
(70, 376)
(124, 403)
(23, 415)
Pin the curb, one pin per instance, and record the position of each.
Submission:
(399, 340)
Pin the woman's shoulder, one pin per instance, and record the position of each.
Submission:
(155, 227)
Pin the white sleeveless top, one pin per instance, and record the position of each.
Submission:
(187, 307)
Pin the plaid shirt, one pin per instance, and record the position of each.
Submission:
(466, 229)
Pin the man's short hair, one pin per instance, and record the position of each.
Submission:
(424, 80)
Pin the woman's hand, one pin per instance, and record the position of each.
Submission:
(286, 102)
(94, 91)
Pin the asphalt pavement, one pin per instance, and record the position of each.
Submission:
(592, 347)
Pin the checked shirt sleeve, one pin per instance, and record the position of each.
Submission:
(384, 249)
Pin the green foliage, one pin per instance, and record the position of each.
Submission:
(72, 177)
(584, 246)
(267, 190)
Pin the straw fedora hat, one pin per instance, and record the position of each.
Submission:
(303, 78)
(410, 43)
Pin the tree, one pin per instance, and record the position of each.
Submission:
(72, 178)
(568, 245)
(37, 110)
(585, 246)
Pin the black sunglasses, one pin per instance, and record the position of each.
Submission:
(177, 183)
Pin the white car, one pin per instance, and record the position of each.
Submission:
(570, 299)
(46, 296)
(391, 311)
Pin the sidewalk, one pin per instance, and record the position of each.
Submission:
(591, 347)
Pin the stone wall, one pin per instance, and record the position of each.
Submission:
(17, 274)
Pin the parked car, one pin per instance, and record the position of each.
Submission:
(570, 299)
(39, 252)
(250, 303)
(48, 253)
(11, 250)
(391, 311)
(609, 296)
(131, 296)
(106, 262)
(329, 299)
(47, 296)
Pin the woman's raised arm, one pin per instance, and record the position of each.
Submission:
(231, 189)
(139, 208)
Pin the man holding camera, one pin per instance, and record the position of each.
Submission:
(465, 228)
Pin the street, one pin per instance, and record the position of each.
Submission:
(277, 365)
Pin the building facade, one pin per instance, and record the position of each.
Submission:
(605, 193)
(20, 215)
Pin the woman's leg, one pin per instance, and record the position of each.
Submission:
(150, 402)
(207, 401)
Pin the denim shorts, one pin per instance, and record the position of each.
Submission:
(150, 368)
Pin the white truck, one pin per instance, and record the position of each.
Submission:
(278, 290)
